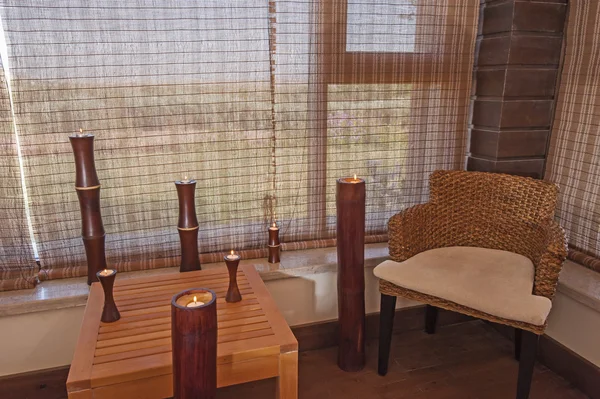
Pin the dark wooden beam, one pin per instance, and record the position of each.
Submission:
(518, 57)
(41, 384)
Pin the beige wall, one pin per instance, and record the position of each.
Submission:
(35, 341)
(43, 340)
(313, 298)
(576, 326)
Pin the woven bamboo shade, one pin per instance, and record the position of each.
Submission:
(17, 266)
(264, 103)
(573, 161)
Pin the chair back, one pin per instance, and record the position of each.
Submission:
(492, 196)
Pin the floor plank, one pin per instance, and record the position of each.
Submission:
(466, 361)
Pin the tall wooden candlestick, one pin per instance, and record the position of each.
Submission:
(194, 344)
(274, 244)
(350, 201)
(188, 225)
(88, 192)
(233, 292)
(110, 312)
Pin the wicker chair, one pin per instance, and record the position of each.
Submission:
(485, 245)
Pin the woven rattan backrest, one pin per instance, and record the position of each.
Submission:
(492, 195)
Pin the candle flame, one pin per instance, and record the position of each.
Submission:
(232, 251)
(274, 224)
(80, 130)
(185, 178)
(195, 299)
(355, 176)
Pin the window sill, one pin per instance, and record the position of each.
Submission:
(576, 281)
(581, 284)
(73, 292)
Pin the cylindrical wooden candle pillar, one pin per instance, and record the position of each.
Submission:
(350, 201)
(233, 292)
(88, 192)
(188, 225)
(274, 244)
(194, 344)
(110, 312)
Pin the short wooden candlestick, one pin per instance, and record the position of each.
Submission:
(188, 226)
(350, 201)
(194, 344)
(88, 192)
(233, 292)
(110, 312)
(274, 245)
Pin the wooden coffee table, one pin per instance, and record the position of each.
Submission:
(131, 358)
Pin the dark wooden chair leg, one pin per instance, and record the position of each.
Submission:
(430, 319)
(386, 324)
(518, 334)
(529, 342)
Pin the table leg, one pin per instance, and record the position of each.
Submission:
(287, 382)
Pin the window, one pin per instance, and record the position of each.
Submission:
(381, 27)
(573, 161)
(265, 103)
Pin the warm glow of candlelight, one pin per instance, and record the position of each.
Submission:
(106, 272)
(274, 224)
(232, 256)
(195, 303)
(353, 180)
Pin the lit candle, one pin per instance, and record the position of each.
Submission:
(353, 180)
(195, 303)
(110, 312)
(80, 134)
(233, 292)
(185, 180)
(194, 299)
(232, 256)
(194, 344)
(273, 244)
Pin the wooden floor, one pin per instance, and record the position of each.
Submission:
(469, 360)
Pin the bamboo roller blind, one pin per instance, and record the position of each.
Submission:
(264, 103)
(17, 267)
(573, 161)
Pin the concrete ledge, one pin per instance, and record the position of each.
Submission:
(580, 284)
(73, 292)
(576, 281)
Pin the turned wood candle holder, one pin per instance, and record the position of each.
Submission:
(233, 292)
(274, 244)
(188, 225)
(110, 312)
(194, 344)
(350, 201)
(88, 192)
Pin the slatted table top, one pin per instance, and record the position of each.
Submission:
(132, 356)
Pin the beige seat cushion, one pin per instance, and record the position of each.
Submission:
(492, 281)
